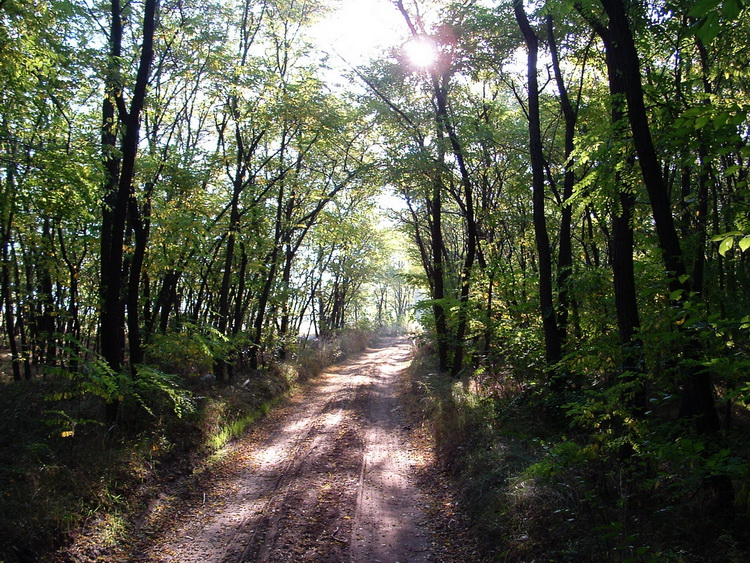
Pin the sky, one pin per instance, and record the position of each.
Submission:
(359, 29)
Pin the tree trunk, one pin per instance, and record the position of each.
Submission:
(552, 344)
(434, 206)
(431, 254)
(697, 393)
(46, 325)
(120, 172)
(438, 275)
(624, 56)
(621, 245)
(441, 97)
(141, 222)
(565, 246)
(10, 327)
(221, 366)
(265, 294)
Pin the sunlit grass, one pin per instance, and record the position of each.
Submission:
(235, 428)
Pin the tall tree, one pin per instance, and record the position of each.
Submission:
(553, 349)
(439, 77)
(698, 400)
(120, 136)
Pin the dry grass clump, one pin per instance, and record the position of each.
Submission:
(315, 355)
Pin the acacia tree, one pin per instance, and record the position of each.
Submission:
(177, 157)
(438, 161)
(45, 174)
(439, 80)
(418, 176)
(624, 62)
(348, 245)
(240, 126)
(621, 245)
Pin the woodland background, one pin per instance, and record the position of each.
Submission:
(191, 220)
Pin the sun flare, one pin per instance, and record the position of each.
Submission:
(421, 52)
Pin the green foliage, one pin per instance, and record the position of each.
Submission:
(520, 347)
(94, 379)
(713, 15)
(233, 425)
(151, 383)
(620, 484)
(727, 241)
(243, 141)
(559, 457)
(192, 350)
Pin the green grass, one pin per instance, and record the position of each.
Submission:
(235, 428)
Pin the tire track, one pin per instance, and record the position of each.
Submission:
(389, 524)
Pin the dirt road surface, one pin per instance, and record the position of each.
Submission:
(326, 477)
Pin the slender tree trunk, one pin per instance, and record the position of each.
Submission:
(565, 246)
(73, 325)
(436, 234)
(163, 303)
(441, 97)
(10, 327)
(111, 316)
(621, 245)
(552, 344)
(239, 301)
(169, 301)
(221, 365)
(704, 177)
(286, 276)
(7, 206)
(46, 325)
(265, 294)
(438, 275)
(697, 397)
(431, 254)
(624, 56)
(25, 355)
(141, 221)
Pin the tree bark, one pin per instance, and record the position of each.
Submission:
(565, 246)
(622, 50)
(441, 97)
(697, 396)
(552, 344)
(141, 222)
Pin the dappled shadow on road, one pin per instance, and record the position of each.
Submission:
(324, 478)
(389, 524)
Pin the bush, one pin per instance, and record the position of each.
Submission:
(611, 487)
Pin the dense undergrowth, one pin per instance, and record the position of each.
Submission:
(67, 479)
(537, 491)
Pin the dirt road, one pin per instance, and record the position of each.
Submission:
(327, 477)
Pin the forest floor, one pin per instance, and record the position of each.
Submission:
(341, 471)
